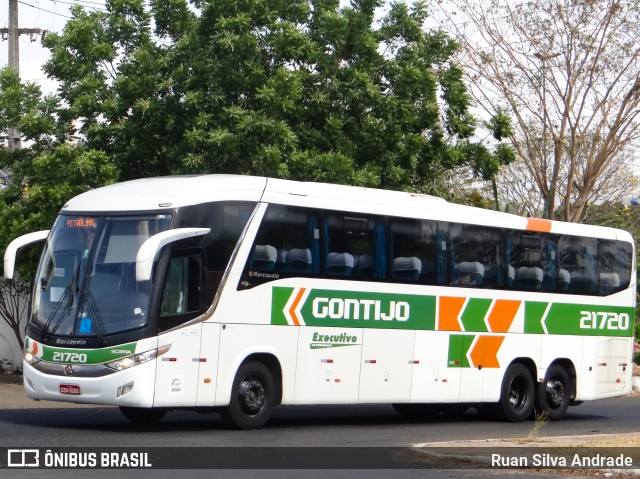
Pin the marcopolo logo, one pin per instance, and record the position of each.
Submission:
(352, 309)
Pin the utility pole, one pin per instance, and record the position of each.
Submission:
(13, 33)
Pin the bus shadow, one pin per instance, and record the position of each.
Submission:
(110, 418)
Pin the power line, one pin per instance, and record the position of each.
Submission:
(43, 9)
(84, 3)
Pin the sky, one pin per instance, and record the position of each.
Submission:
(50, 15)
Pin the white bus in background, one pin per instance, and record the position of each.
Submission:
(239, 294)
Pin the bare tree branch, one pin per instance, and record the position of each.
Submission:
(567, 74)
(14, 303)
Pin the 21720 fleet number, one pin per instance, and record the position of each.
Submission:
(64, 357)
(604, 320)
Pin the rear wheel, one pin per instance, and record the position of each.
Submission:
(252, 397)
(554, 394)
(516, 395)
(142, 415)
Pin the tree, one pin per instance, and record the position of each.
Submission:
(566, 72)
(619, 215)
(48, 171)
(301, 89)
(14, 303)
(51, 169)
(518, 191)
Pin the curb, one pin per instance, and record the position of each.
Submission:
(518, 453)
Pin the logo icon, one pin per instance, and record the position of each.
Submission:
(23, 458)
(68, 370)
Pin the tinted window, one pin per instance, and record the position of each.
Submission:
(355, 246)
(614, 265)
(578, 265)
(183, 285)
(416, 251)
(476, 256)
(288, 242)
(532, 261)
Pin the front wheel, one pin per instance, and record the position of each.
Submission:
(252, 397)
(554, 394)
(516, 395)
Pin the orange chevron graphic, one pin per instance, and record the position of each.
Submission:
(450, 308)
(485, 351)
(502, 315)
(294, 305)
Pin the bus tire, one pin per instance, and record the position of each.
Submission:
(516, 395)
(553, 396)
(142, 415)
(252, 397)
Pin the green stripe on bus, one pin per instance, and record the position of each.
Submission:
(533, 315)
(474, 313)
(586, 320)
(86, 356)
(459, 345)
(357, 309)
(278, 302)
(578, 319)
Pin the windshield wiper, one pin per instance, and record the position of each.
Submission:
(45, 329)
(69, 291)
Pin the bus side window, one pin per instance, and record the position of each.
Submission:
(182, 292)
(355, 246)
(287, 244)
(614, 265)
(531, 261)
(578, 264)
(414, 249)
(476, 256)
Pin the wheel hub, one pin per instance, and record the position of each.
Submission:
(555, 392)
(516, 394)
(252, 396)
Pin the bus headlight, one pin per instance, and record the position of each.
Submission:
(136, 359)
(31, 359)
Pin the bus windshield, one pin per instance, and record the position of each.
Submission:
(86, 283)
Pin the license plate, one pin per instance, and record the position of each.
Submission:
(72, 389)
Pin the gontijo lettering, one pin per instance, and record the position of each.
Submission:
(351, 309)
(366, 309)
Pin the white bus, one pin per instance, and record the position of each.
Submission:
(238, 293)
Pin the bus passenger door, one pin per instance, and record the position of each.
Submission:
(387, 365)
(177, 370)
(328, 368)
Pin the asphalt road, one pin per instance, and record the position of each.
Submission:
(25, 423)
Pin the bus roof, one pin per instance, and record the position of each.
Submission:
(161, 193)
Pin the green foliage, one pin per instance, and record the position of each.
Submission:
(618, 215)
(301, 89)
